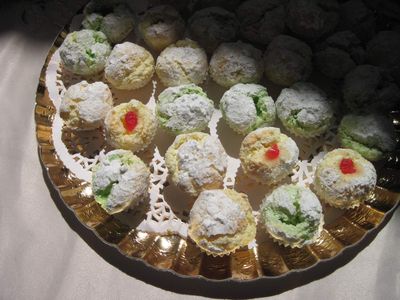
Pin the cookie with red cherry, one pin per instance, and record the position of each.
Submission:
(130, 126)
(344, 179)
(268, 156)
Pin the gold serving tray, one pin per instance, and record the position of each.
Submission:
(181, 256)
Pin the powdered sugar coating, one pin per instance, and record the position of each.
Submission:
(371, 129)
(142, 135)
(292, 215)
(161, 26)
(304, 109)
(261, 20)
(217, 212)
(120, 181)
(184, 109)
(84, 105)
(312, 19)
(221, 221)
(344, 190)
(371, 135)
(116, 25)
(287, 60)
(254, 162)
(246, 107)
(129, 66)
(235, 63)
(182, 63)
(196, 162)
(212, 26)
(85, 52)
(368, 88)
(339, 54)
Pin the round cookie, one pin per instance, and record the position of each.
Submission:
(161, 26)
(129, 66)
(339, 54)
(116, 25)
(267, 155)
(85, 52)
(370, 135)
(383, 51)
(212, 26)
(292, 215)
(84, 105)
(344, 179)
(131, 126)
(196, 162)
(357, 17)
(261, 20)
(304, 110)
(246, 107)
(120, 181)
(221, 221)
(334, 62)
(234, 63)
(287, 60)
(311, 19)
(367, 88)
(184, 109)
(182, 63)
(104, 6)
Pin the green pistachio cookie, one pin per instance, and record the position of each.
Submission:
(184, 109)
(116, 25)
(120, 181)
(246, 107)
(370, 135)
(292, 215)
(85, 52)
(304, 110)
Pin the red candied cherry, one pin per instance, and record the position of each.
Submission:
(347, 166)
(130, 121)
(272, 152)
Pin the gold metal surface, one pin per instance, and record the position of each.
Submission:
(182, 256)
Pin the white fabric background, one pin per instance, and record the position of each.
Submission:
(41, 257)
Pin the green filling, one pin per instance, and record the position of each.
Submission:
(73, 36)
(125, 159)
(292, 122)
(102, 195)
(264, 116)
(90, 53)
(99, 38)
(295, 219)
(369, 153)
(163, 119)
(257, 103)
(192, 89)
(91, 57)
(93, 22)
(167, 96)
(171, 97)
(294, 225)
(112, 157)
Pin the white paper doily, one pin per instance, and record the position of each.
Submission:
(161, 217)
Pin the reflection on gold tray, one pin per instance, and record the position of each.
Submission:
(180, 255)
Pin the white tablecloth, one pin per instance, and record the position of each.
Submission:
(41, 257)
